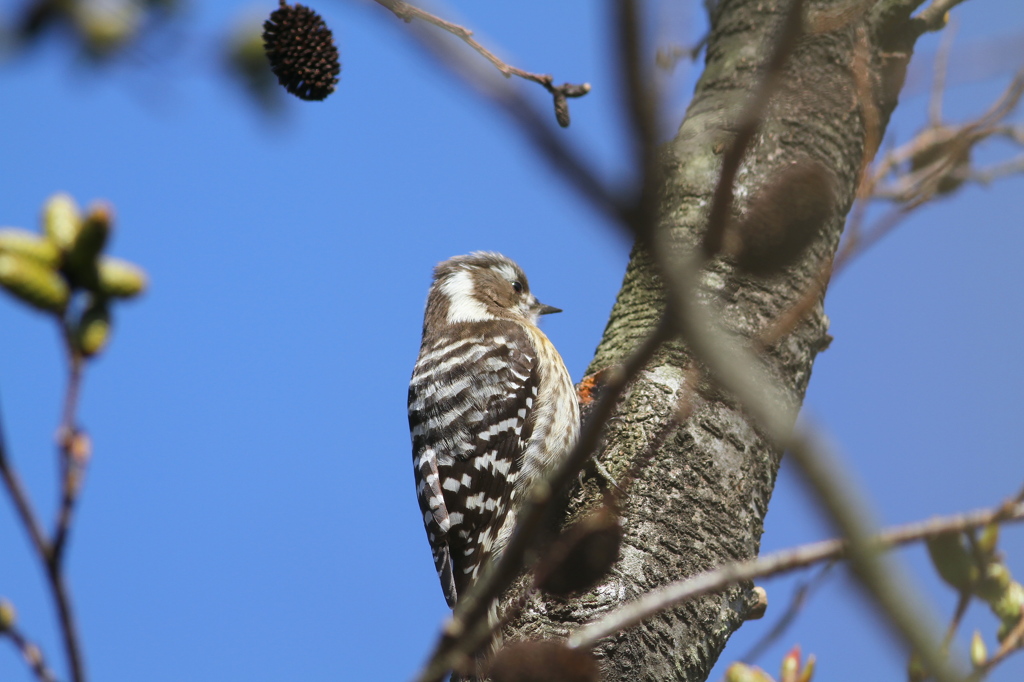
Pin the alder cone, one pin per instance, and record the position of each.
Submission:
(301, 52)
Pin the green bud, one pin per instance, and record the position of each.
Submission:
(808, 671)
(993, 584)
(88, 243)
(989, 538)
(33, 282)
(790, 666)
(953, 561)
(93, 329)
(29, 244)
(8, 615)
(104, 31)
(739, 672)
(979, 652)
(1009, 608)
(61, 220)
(120, 278)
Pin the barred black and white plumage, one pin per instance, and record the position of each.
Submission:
(491, 408)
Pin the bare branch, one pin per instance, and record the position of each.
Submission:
(552, 147)
(31, 653)
(789, 616)
(43, 550)
(939, 81)
(73, 454)
(987, 175)
(1013, 642)
(407, 13)
(675, 593)
(21, 501)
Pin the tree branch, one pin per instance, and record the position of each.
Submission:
(73, 454)
(28, 517)
(780, 562)
(31, 653)
(407, 13)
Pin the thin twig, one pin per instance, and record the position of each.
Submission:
(31, 653)
(796, 605)
(21, 501)
(1013, 642)
(71, 463)
(962, 602)
(640, 99)
(407, 13)
(671, 595)
(891, 592)
(987, 175)
(69, 631)
(911, 189)
(44, 551)
(462, 633)
(567, 162)
(939, 80)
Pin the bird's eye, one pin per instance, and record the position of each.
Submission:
(518, 287)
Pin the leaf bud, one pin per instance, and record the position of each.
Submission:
(808, 671)
(33, 282)
(790, 666)
(8, 616)
(120, 279)
(953, 561)
(89, 242)
(29, 244)
(741, 672)
(93, 329)
(989, 539)
(61, 220)
(1009, 608)
(979, 652)
(994, 582)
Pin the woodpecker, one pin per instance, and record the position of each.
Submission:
(491, 410)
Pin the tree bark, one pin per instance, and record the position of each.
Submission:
(701, 500)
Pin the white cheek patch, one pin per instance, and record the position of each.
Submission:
(526, 307)
(462, 305)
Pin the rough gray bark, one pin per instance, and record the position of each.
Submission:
(701, 501)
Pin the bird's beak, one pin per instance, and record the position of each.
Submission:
(545, 309)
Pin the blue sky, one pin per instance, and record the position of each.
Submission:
(249, 511)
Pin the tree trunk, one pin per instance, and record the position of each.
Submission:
(701, 500)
